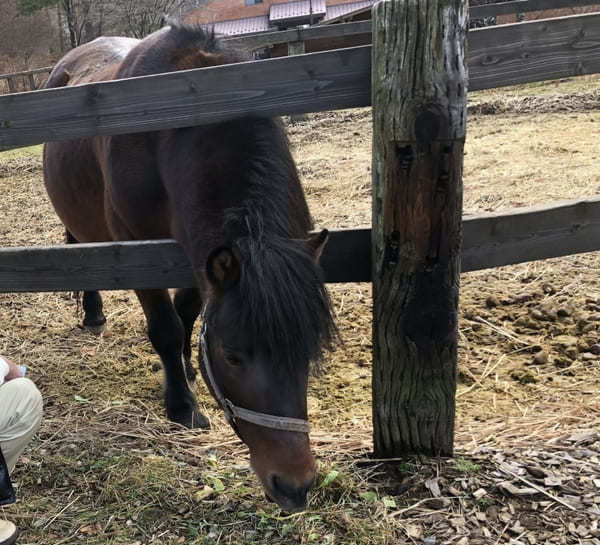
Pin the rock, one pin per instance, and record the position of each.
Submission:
(537, 314)
(595, 349)
(548, 289)
(540, 358)
(492, 301)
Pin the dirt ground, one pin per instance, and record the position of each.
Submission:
(108, 468)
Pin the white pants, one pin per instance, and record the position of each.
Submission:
(21, 409)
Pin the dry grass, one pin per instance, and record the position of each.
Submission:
(108, 468)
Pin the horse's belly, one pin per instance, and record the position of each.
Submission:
(74, 183)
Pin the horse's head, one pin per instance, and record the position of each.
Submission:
(267, 319)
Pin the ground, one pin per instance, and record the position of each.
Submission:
(108, 468)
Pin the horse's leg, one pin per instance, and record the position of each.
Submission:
(188, 304)
(166, 333)
(94, 319)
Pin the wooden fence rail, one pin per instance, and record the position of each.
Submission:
(268, 38)
(489, 240)
(29, 74)
(525, 6)
(274, 37)
(329, 80)
(287, 85)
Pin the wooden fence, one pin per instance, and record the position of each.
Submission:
(326, 30)
(28, 76)
(329, 80)
(489, 240)
(526, 6)
(505, 55)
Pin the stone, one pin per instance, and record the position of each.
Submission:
(540, 358)
(492, 301)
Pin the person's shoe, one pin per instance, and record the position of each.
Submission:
(8, 533)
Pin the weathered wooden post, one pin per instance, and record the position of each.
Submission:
(297, 48)
(32, 86)
(419, 116)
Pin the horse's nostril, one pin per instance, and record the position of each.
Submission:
(295, 496)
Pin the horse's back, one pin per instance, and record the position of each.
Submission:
(94, 61)
(72, 171)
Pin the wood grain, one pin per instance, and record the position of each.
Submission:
(419, 85)
(524, 6)
(299, 84)
(489, 240)
(269, 38)
(44, 70)
(518, 53)
(534, 51)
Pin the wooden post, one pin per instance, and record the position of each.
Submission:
(11, 85)
(419, 117)
(32, 86)
(297, 48)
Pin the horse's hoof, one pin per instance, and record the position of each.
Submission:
(193, 420)
(96, 329)
(95, 325)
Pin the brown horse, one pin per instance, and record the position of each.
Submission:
(230, 194)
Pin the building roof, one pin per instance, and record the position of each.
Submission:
(293, 10)
(341, 10)
(243, 26)
(300, 9)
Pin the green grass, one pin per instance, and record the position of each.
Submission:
(466, 466)
(31, 151)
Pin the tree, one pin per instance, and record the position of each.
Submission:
(29, 7)
(24, 36)
(142, 17)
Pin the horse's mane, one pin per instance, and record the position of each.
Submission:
(283, 297)
(179, 46)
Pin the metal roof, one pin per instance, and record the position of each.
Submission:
(293, 10)
(243, 26)
(341, 10)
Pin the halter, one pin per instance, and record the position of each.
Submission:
(233, 412)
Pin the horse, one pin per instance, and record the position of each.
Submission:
(230, 194)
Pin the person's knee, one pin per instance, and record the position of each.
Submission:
(27, 397)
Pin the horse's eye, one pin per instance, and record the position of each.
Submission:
(233, 358)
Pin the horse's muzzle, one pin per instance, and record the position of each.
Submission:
(290, 498)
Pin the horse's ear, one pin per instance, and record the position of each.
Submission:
(223, 268)
(316, 242)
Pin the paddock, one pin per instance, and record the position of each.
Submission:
(525, 330)
(108, 468)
